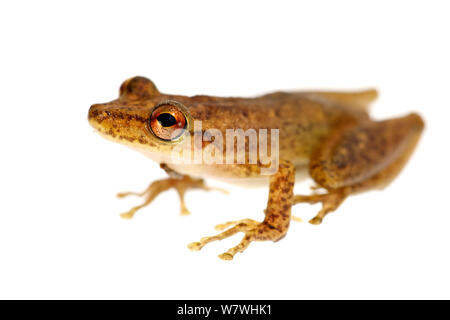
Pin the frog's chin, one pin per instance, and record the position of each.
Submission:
(156, 156)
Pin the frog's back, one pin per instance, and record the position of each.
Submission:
(304, 119)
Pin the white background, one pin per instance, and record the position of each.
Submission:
(60, 232)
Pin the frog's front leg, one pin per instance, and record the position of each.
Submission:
(275, 224)
(181, 183)
(364, 157)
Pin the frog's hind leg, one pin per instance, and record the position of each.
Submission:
(181, 183)
(367, 156)
(275, 224)
(330, 202)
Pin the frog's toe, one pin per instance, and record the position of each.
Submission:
(130, 214)
(127, 215)
(226, 256)
(126, 194)
(228, 224)
(184, 211)
(195, 246)
(316, 220)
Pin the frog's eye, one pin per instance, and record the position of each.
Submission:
(168, 121)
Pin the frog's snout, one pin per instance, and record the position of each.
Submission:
(119, 122)
(95, 114)
(101, 116)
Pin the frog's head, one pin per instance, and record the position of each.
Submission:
(143, 118)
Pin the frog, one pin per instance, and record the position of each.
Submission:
(328, 136)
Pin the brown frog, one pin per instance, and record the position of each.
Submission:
(328, 135)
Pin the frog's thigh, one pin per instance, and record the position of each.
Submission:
(365, 157)
(276, 222)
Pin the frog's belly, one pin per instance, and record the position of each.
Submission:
(263, 181)
(253, 181)
(238, 174)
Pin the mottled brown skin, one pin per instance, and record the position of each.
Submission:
(330, 134)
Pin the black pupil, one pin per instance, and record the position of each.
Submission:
(166, 119)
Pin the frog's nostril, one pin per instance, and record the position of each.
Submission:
(94, 112)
